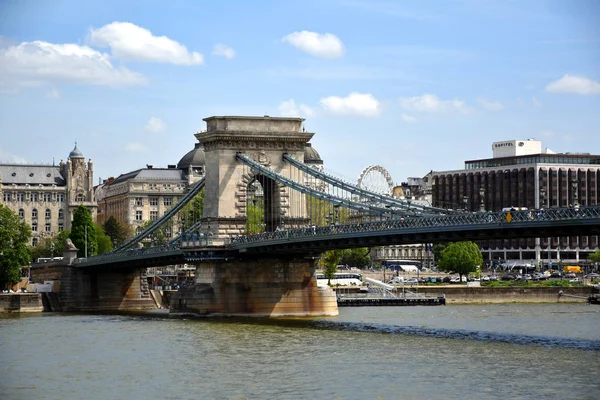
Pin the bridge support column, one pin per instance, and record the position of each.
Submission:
(258, 288)
(105, 290)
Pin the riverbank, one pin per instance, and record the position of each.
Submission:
(509, 294)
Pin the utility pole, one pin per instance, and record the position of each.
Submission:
(86, 241)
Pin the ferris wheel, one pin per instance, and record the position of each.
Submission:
(376, 179)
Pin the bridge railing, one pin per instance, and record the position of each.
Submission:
(493, 219)
(129, 254)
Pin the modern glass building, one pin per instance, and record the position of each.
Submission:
(521, 174)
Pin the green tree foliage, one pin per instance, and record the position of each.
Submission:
(255, 214)
(437, 250)
(14, 251)
(44, 247)
(192, 211)
(460, 257)
(115, 230)
(104, 243)
(595, 257)
(323, 213)
(159, 236)
(82, 219)
(330, 261)
(356, 258)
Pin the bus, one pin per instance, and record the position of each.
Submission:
(403, 265)
(340, 279)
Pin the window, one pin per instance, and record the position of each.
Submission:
(48, 197)
(60, 197)
(167, 201)
(61, 227)
(48, 227)
(153, 201)
(20, 196)
(61, 214)
(21, 213)
(138, 215)
(34, 227)
(34, 213)
(48, 213)
(79, 197)
(139, 201)
(6, 196)
(34, 241)
(34, 196)
(153, 215)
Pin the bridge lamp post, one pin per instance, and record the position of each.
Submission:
(336, 214)
(481, 197)
(542, 205)
(575, 185)
(465, 202)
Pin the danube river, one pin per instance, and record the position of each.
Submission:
(500, 351)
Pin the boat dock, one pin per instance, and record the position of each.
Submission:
(390, 301)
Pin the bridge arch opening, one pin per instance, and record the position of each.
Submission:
(264, 212)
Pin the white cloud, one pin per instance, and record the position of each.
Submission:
(38, 62)
(155, 125)
(574, 84)
(135, 148)
(289, 109)
(408, 118)
(221, 49)
(490, 105)
(362, 104)
(53, 94)
(11, 158)
(431, 103)
(128, 41)
(536, 102)
(325, 45)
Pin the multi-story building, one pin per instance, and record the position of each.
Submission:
(522, 174)
(46, 196)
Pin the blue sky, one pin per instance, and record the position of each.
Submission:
(408, 85)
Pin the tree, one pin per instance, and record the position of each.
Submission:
(330, 261)
(45, 248)
(357, 258)
(595, 257)
(115, 230)
(192, 211)
(82, 228)
(461, 257)
(437, 250)
(105, 244)
(255, 214)
(14, 251)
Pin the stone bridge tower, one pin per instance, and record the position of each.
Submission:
(264, 139)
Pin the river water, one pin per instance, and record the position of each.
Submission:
(500, 351)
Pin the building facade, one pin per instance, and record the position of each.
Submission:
(46, 196)
(521, 174)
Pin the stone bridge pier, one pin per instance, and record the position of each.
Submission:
(105, 290)
(257, 288)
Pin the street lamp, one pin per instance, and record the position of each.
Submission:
(543, 197)
(481, 197)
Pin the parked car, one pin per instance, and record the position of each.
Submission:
(412, 281)
(570, 275)
(592, 275)
(575, 280)
(555, 274)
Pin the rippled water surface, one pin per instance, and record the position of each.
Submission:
(511, 351)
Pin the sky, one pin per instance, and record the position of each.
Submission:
(412, 86)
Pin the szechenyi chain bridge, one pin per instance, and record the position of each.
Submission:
(255, 164)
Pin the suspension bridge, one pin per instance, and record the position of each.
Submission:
(267, 215)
